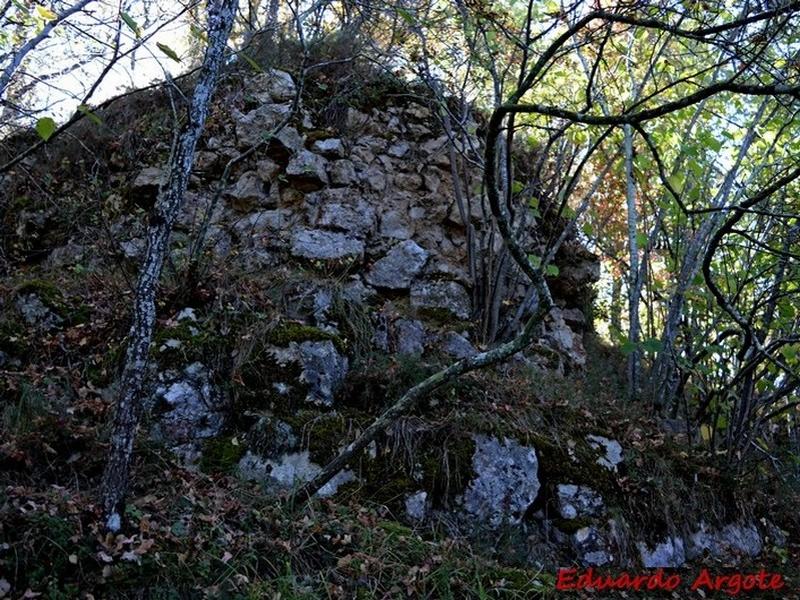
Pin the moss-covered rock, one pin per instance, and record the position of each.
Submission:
(288, 332)
(221, 455)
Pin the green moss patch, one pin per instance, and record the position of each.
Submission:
(221, 455)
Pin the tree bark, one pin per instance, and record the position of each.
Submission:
(126, 418)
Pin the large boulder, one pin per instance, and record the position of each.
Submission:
(399, 267)
(457, 345)
(506, 481)
(148, 180)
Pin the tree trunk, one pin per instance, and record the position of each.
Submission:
(615, 309)
(115, 479)
(664, 380)
(634, 282)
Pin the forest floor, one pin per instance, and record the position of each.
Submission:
(194, 534)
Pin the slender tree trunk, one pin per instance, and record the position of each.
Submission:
(634, 283)
(615, 310)
(115, 479)
(664, 380)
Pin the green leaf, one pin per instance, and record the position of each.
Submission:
(197, 33)
(641, 240)
(45, 13)
(168, 51)
(256, 67)
(132, 25)
(533, 203)
(535, 261)
(588, 229)
(517, 187)
(676, 181)
(713, 144)
(552, 270)
(406, 15)
(45, 127)
(86, 110)
(652, 345)
(628, 347)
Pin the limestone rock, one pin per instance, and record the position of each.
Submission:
(267, 169)
(307, 170)
(187, 408)
(331, 147)
(251, 128)
(408, 181)
(280, 86)
(457, 345)
(577, 501)
(564, 340)
(375, 178)
(447, 296)
(324, 370)
(398, 149)
(396, 224)
(342, 172)
(261, 223)
(409, 336)
(355, 217)
(248, 193)
(610, 451)
(506, 481)
(398, 269)
(36, 313)
(574, 318)
(667, 554)
(288, 471)
(148, 180)
(271, 437)
(417, 506)
(729, 544)
(591, 547)
(317, 244)
(272, 86)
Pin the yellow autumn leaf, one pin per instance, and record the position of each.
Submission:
(45, 13)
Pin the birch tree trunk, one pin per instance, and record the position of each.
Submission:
(170, 199)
